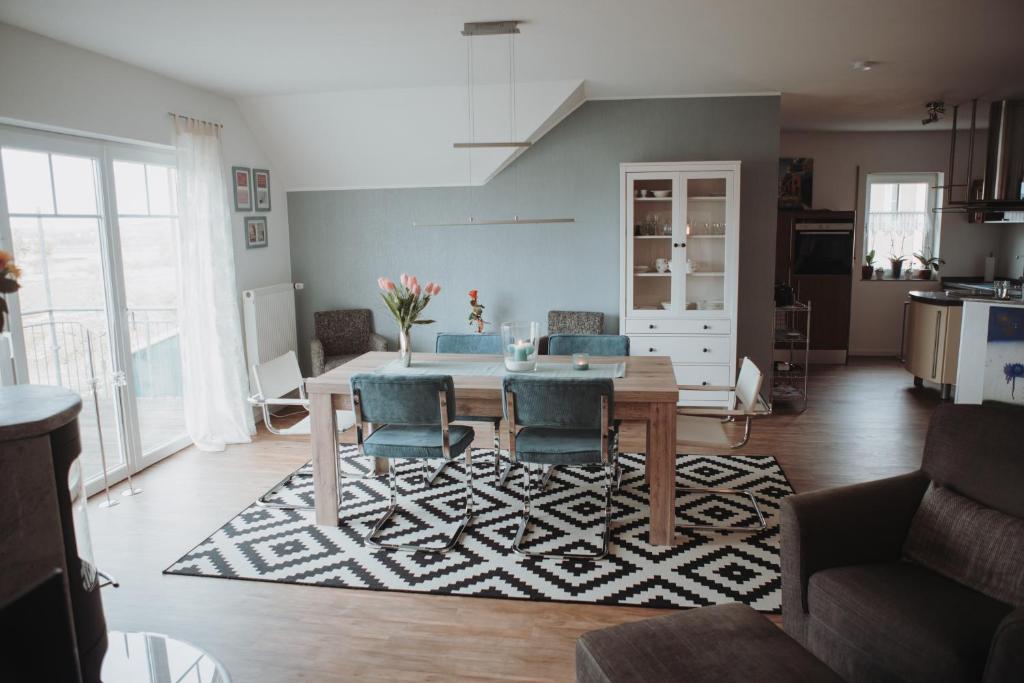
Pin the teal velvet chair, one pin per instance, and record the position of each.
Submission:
(564, 423)
(594, 344)
(413, 416)
(482, 344)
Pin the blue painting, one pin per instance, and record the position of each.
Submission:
(1004, 361)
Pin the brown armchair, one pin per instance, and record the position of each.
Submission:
(918, 577)
(340, 336)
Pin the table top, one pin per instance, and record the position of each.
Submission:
(648, 378)
(28, 410)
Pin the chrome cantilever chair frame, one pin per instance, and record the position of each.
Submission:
(467, 511)
(288, 363)
(609, 463)
(750, 386)
(500, 473)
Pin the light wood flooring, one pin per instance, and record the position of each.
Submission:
(865, 421)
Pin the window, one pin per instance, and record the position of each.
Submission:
(899, 220)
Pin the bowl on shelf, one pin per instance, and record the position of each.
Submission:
(661, 194)
(667, 305)
(641, 269)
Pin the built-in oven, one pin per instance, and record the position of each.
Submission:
(823, 248)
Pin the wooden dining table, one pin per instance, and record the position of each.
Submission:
(647, 393)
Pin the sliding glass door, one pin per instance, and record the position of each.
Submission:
(92, 227)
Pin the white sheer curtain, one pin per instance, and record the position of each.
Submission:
(213, 365)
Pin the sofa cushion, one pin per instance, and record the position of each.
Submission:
(909, 620)
(331, 362)
(972, 544)
(721, 643)
(976, 451)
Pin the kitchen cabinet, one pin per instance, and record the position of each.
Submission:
(679, 269)
(933, 343)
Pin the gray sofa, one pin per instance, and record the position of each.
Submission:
(918, 577)
(340, 336)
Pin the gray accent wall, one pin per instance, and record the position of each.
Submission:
(343, 240)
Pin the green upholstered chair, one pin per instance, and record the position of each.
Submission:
(481, 344)
(412, 416)
(563, 422)
(594, 344)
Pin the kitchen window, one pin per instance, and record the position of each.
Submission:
(899, 220)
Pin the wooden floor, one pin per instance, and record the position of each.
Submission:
(865, 421)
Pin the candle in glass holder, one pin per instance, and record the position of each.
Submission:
(580, 361)
(521, 350)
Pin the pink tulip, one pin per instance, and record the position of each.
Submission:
(413, 282)
(406, 280)
(429, 288)
(380, 283)
(415, 289)
(437, 289)
(389, 285)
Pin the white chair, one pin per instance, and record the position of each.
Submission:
(276, 382)
(706, 427)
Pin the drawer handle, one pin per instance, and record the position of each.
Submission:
(704, 383)
(652, 326)
(679, 245)
(707, 327)
(706, 350)
(650, 350)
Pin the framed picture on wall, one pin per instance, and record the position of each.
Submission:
(241, 179)
(261, 186)
(796, 183)
(255, 232)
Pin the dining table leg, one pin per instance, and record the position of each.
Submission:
(324, 436)
(661, 471)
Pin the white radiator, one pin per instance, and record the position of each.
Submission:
(269, 315)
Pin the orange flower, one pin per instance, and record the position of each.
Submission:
(5, 258)
(472, 294)
(14, 270)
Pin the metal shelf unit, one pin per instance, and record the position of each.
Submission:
(792, 332)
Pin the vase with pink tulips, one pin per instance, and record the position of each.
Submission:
(406, 301)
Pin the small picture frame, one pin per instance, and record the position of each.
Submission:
(261, 188)
(241, 179)
(255, 232)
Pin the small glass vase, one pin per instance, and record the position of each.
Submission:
(520, 342)
(404, 348)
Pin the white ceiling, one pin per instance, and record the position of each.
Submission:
(928, 49)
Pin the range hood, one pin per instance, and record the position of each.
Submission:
(999, 198)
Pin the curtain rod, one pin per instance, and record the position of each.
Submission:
(192, 118)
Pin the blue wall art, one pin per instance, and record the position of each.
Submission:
(1004, 360)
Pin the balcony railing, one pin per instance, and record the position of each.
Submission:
(70, 346)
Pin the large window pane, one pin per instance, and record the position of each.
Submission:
(130, 186)
(27, 180)
(161, 201)
(74, 182)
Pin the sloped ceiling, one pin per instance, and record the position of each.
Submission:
(401, 137)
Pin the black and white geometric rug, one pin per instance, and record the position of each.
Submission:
(708, 567)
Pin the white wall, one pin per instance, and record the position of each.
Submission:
(877, 306)
(43, 81)
(1011, 247)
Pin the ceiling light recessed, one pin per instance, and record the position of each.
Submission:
(863, 65)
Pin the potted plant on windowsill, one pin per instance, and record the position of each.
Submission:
(928, 264)
(896, 264)
(869, 265)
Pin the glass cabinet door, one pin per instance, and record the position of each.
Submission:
(707, 227)
(653, 217)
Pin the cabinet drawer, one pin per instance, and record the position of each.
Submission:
(709, 326)
(696, 350)
(703, 375)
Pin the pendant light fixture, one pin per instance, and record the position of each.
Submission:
(491, 28)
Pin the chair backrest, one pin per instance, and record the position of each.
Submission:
(594, 344)
(278, 377)
(575, 322)
(489, 344)
(344, 332)
(557, 403)
(748, 384)
(977, 452)
(402, 399)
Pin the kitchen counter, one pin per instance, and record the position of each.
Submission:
(956, 296)
(935, 296)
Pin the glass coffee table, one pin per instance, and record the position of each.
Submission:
(155, 658)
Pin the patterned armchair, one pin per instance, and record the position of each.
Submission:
(340, 336)
(575, 322)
